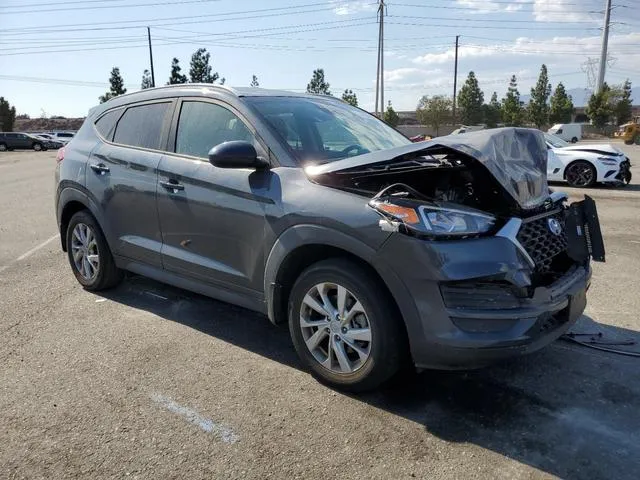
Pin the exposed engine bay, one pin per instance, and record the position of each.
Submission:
(474, 185)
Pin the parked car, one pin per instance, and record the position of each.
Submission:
(21, 141)
(49, 141)
(586, 165)
(570, 132)
(375, 250)
(64, 137)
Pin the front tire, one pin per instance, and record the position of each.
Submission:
(574, 140)
(581, 174)
(89, 254)
(37, 147)
(3, 147)
(344, 326)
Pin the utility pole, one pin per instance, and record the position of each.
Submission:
(380, 67)
(455, 79)
(605, 42)
(153, 77)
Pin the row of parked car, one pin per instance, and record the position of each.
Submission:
(33, 141)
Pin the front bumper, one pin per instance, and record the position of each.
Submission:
(471, 333)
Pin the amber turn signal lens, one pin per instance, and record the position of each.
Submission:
(407, 215)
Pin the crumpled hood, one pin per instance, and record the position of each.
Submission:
(516, 157)
(604, 148)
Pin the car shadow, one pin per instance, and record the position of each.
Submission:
(568, 410)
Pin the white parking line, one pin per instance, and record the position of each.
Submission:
(209, 426)
(30, 252)
(36, 248)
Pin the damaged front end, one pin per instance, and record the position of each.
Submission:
(478, 232)
(483, 183)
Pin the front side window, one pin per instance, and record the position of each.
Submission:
(142, 126)
(320, 130)
(203, 125)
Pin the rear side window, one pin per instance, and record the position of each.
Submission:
(142, 126)
(107, 122)
(202, 126)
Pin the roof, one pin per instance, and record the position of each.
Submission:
(204, 89)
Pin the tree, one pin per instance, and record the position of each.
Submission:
(117, 86)
(561, 106)
(492, 111)
(538, 109)
(622, 105)
(254, 82)
(599, 108)
(200, 70)
(317, 84)
(434, 111)
(7, 116)
(350, 97)
(470, 100)
(512, 111)
(390, 116)
(146, 80)
(176, 77)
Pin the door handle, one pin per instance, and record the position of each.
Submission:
(99, 168)
(172, 186)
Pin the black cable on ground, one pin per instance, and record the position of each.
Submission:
(569, 338)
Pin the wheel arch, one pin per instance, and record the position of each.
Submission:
(71, 201)
(576, 160)
(303, 245)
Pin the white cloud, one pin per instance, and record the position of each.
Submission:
(449, 55)
(349, 8)
(488, 6)
(409, 75)
(554, 11)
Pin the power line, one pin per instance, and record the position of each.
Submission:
(149, 21)
(76, 8)
(183, 41)
(485, 27)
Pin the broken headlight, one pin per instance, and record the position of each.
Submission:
(435, 220)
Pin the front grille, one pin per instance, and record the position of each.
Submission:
(540, 243)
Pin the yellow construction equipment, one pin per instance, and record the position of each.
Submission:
(630, 132)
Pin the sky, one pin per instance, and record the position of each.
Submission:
(56, 56)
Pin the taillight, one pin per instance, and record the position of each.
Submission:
(60, 155)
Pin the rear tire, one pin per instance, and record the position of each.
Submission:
(574, 140)
(37, 147)
(580, 174)
(89, 254)
(3, 147)
(357, 349)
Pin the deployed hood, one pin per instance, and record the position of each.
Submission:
(601, 148)
(515, 157)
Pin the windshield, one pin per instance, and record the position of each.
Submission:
(320, 130)
(554, 141)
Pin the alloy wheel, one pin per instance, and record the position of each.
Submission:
(335, 327)
(84, 249)
(580, 175)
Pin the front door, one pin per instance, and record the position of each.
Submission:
(213, 220)
(122, 177)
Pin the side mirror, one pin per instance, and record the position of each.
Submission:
(236, 154)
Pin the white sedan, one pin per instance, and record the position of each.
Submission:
(586, 164)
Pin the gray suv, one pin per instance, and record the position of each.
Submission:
(376, 251)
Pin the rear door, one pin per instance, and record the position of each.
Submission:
(213, 221)
(122, 176)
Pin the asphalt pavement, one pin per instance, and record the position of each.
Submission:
(149, 381)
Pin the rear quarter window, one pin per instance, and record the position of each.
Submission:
(141, 126)
(106, 123)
